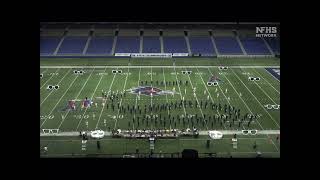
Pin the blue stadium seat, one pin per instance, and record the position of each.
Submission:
(48, 45)
(228, 46)
(151, 44)
(201, 45)
(100, 45)
(175, 45)
(274, 44)
(73, 45)
(254, 46)
(126, 44)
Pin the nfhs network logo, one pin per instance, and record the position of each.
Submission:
(266, 31)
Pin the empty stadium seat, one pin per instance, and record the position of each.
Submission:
(201, 45)
(151, 44)
(274, 44)
(228, 46)
(100, 45)
(128, 44)
(254, 46)
(48, 44)
(73, 45)
(175, 45)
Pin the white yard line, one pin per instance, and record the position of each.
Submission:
(91, 98)
(184, 109)
(197, 100)
(124, 87)
(165, 88)
(151, 86)
(135, 106)
(209, 94)
(106, 98)
(264, 91)
(249, 108)
(222, 91)
(59, 100)
(256, 99)
(97, 67)
(65, 116)
(49, 78)
(266, 81)
(53, 90)
(46, 69)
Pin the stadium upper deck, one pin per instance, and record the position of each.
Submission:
(108, 39)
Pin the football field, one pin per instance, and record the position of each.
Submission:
(134, 96)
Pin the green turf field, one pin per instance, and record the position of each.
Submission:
(234, 90)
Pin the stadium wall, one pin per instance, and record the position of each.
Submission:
(135, 55)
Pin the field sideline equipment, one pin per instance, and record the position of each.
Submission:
(215, 134)
(98, 134)
(234, 143)
(151, 55)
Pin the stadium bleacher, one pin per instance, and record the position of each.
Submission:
(104, 39)
(128, 44)
(274, 44)
(254, 46)
(228, 46)
(201, 45)
(73, 45)
(173, 44)
(100, 45)
(48, 45)
(151, 44)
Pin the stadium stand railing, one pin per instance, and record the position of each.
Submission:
(199, 33)
(52, 32)
(222, 33)
(173, 32)
(78, 32)
(129, 32)
(151, 32)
